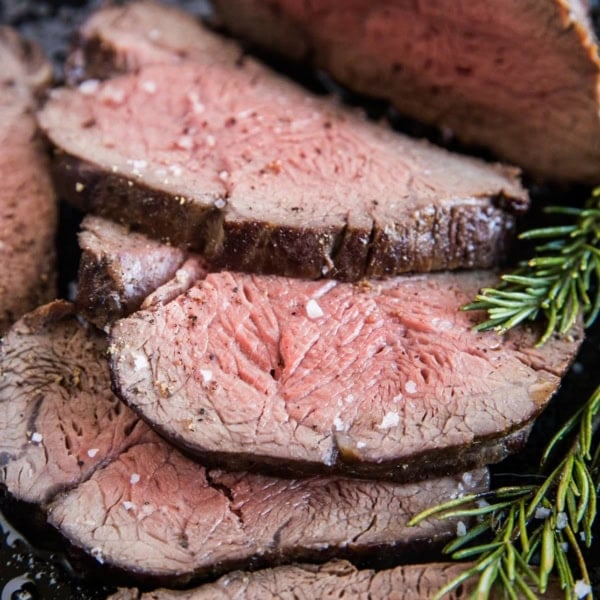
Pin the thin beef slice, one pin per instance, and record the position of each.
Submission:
(335, 579)
(120, 268)
(122, 39)
(120, 493)
(378, 380)
(236, 162)
(27, 204)
(519, 77)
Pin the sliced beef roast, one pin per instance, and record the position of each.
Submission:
(335, 579)
(237, 162)
(122, 494)
(380, 379)
(119, 268)
(522, 78)
(27, 203)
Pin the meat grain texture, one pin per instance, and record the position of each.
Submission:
(380, 379)
(335, 579)
(27, 205)
(183, 149)
(120, 493)
(520, 78)
(414, 582)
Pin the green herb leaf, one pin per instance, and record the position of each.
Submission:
(561, 281)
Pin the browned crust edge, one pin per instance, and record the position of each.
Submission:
(463, 236)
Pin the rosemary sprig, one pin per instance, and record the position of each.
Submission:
(559, 282)
(526, 534)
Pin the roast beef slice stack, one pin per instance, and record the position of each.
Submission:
(27, 204)
(335, 579)
(227, 158)
(119, 492)
(521, 78)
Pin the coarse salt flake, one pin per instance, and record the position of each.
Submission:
(542, 513)
(92, 452)
(185, 142)
(135, 478)
(36, 437)
(313, 310)
(582, 589)
(338, 424)
(206, 375)
(79, 187)
(112, 95)
(361, 444)
(441, 324)
(390, 419)
(137, 164)
(127, 505)
(220, 203)
(149, 87)
(461, 529)
(410, 387)
(194, 99)
(97, 554)
(89, 87)
(140, 362)
(561, 520)
(224, 175)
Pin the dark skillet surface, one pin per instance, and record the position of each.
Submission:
(26, 572)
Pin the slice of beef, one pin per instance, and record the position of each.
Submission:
(119, 268)
(121, 39)
(27, 204)
(242, 165)
(335, 579)
(380, 379)
(521, 78)
(130, 500)
(58, 418)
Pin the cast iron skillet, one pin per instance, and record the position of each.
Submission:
(27, 571)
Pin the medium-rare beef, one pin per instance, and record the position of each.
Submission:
(335, 579)
(55, 405)
(27, 204)
(380, 379)
(522, 78)
(234, 161)
(121, 493)
(119, 268)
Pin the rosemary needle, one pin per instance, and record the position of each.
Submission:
(530, 533)
(559, 282)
